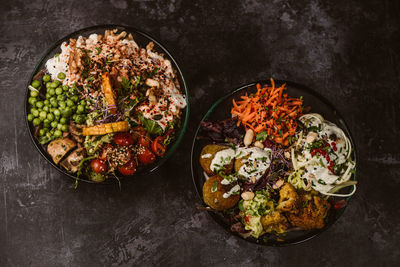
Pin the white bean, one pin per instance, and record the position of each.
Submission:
(248, 138)
(247, 195)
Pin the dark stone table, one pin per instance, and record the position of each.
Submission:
(347, 51)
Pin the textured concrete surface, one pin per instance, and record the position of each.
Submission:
(348, 51)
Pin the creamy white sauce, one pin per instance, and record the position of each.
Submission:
(234, 189)
(315, 166)
(59, 63)
(222, 158)
(256, 161)
(206, 156)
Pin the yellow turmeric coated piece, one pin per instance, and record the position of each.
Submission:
(120, 126)
(108, 92)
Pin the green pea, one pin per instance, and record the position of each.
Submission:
(46, 102)
(36, 84)
(57, 82)
(52, 109)
(42, 132)
(74, 117)
(57, 133)
(65, 88)
(46, 108)
(30, 117)
(57, 112)
(32, 100)
(61, 76)
(43, 115)
(80, 109)
(59, 125)
(48, 95)
(35, 112)
(64, 128)
(50, 117)
(75, 98)
(39, 104)
(46, 78)
(83, 102)
(60, 98)
(54, 85)
(34, 93)
(80, 119)
(70, 103)
(59, 90)
(63, 120)
(54, 103)
(51, 91)
(46, 122)
(36, 121)
(67, 112)
(48, 134)
(62, 104)
(48, 85)
(53, 124)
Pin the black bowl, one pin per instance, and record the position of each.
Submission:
(221, 110)
(142, 39)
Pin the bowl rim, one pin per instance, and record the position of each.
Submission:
(129, 29)
(337, 114)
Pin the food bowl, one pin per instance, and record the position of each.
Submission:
(221, 110)
(142, 39)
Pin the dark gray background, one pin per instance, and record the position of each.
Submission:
(347, 51)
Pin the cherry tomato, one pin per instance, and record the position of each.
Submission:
(123, 139)
(98, 165)
(146, 156)
(140, 130)
(158, 146)
(144, 141)
(128, 168)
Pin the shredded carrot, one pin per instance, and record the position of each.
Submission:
(270, 110)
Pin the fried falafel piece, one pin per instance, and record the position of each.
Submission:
(274, 222)
(213, 192)
(289, 199)
(312, 214)
(207, 155)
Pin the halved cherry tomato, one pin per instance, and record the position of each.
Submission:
(144, 141)
(128, 168)
(158, 146)
(123, 139)
(98, 165)
(146, 156)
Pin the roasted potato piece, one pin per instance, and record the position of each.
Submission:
(71, 162)
(58, 148)
(274, 222)
(207, 155)
(289, 199)
(312, 212)
(215, 199)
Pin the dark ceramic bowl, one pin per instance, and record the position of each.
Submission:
(221, 110)
(142, 39)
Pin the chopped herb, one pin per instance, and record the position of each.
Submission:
(261, 136)
(98, 50)
(214, 188)
(320, 181)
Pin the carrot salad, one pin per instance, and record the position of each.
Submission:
(270, 110)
